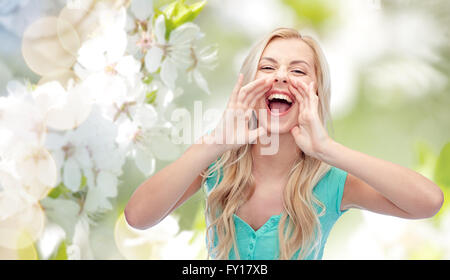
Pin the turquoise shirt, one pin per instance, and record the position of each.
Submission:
(262, 244)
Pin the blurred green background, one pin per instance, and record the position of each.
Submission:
(389, 63)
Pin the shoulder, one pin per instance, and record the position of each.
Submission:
(337, 175)
(334, 176)
(330, 188)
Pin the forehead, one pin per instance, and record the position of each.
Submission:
(286, 50)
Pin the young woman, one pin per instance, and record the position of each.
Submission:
(283, 205)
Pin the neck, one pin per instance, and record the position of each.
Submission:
(279, 163)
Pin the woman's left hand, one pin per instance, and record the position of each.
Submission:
(310, 135)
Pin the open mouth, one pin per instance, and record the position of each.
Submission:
(279, 103)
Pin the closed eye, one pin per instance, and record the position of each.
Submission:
(266, 68)
(298, 72)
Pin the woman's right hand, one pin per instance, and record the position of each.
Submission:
(233, 129)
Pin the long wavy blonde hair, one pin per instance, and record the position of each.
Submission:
(299, 227)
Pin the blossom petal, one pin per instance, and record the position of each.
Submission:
(107, 183)
(116, 45)
(64, 212)
(46, 169)
(201, 81)
(160, 29)
(48, 96)
(153, 59)
(97, 197)
(142, 9)
(91, 55)
(147, 116)
(182, 56)
(169, 73)
(184, 34)
(73, 111)
(128, 67)
(72, 175)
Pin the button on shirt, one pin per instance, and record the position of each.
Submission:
(263, 244)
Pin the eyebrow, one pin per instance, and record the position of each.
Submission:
(292, 62)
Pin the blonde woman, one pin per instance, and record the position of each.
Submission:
(283, 205)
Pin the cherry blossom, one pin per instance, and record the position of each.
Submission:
(173, 53)
(63, 145)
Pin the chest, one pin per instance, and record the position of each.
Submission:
(264, 203)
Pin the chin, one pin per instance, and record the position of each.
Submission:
(282, 129)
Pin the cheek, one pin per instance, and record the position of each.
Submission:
(260, 74)
(305, 79)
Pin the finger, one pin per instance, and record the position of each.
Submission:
(312, 89)
(298, 90)
(250, 93)
(303, 88)
(299, 97)
(295, 131)
(255, 95)
(297, 94)
(259, 95)
(295, 84)
(236, 89)
(307, 88)
(311, 93)
(248, 88)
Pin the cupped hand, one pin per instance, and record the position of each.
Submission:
(310, 135)
(233, 129)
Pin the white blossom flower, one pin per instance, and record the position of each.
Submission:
(21, 217)
(36, 169)
(80, 248)
(63, 212)
(142, 9)
(140, 12)
(21, 119)
(173, 53)
(71, 156)
(114, 80)
(90, 151)
(131, 136)
(63, 109)
(77, 136)
(50, 240)
(103, 52)
(104, 65)
(204, 58)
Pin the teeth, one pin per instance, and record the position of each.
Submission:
(280, 96)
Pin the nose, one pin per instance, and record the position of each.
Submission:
(280, 76)
(282, 80)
